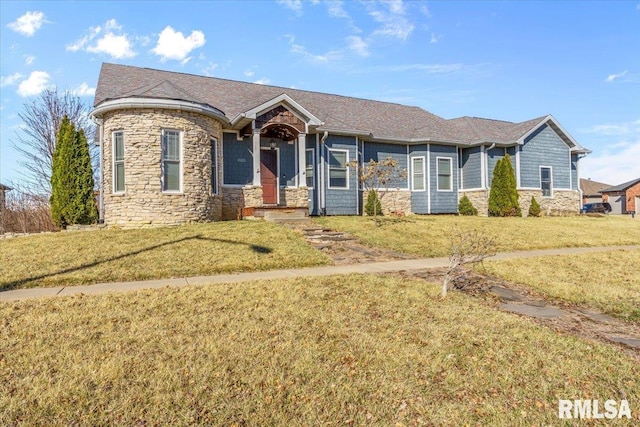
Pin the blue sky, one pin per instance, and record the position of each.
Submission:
(579, 61)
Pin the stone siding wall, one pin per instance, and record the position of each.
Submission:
(393, 202)
(294, 197)
(562, 203)
(143, 202)
(479, 199)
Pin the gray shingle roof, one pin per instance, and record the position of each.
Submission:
(592, 188)
(384, 120)
(621, 187)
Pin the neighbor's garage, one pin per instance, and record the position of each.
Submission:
(617, 203)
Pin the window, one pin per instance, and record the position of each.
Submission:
(338, 170)
(118, 162)
(444, 174)
(171, 164)
(309, 167)
(214, 166)
(545, 181)
(417, 174)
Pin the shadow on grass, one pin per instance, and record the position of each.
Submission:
(19, 283)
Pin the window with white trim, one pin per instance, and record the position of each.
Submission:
(445, 182)
(546, 181)
(308, 169)
(338, 169)
(214, 166)
(171, 161)
(418, 174)
(118, 162)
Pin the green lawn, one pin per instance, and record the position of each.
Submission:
(72, 258)
(606, 281)
(344, 350)
(429, 235)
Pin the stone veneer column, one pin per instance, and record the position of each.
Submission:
(143, 202)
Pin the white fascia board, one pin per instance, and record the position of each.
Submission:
(169, 104)
(283, 99)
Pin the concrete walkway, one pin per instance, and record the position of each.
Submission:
(376, 267)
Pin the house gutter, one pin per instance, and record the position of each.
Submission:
(167, 104)
(323, 193)
(99, 122)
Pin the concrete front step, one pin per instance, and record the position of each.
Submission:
(291, 214)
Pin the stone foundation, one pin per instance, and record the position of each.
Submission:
(479, 199)
(143, 203)
(294, 197)
(562, 203)
(393, 202)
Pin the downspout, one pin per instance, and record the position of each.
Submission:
(99, 123)
(486, 169)
(323, 194)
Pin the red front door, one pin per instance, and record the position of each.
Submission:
(269, 176)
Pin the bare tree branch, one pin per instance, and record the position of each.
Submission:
(37, 140)
(467, 248)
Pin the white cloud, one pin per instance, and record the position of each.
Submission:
(28, 24)
(9, 80)
(336, 9)
(615, 129)
(615, 159)
(435, 38)
(174, 45)
(249, 73)
(116, 46)
(37, 82)
(294, 5)
(263, 81)
(112, 41)
(613, 77)
(393, 20)
(359, 46)
(209, 69)
(84, 90)
(28, 59)
(302, 50)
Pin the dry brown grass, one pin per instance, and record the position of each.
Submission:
(73, 258)
(347, 350)
(606, 281)
(429, 235)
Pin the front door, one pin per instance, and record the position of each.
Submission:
(269, 176)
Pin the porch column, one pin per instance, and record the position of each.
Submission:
(256, 157)
(302, 170)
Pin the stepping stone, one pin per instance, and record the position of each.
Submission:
(546, 312)
(632, 342)
(506, 294)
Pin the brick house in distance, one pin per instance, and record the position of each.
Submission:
(3, 190)
(178, 148)
(591, 190)
(623, 198)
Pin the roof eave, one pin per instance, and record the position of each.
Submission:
(169, 104)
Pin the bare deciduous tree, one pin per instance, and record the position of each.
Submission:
(467, 248)
(37, 140)
(377, 175)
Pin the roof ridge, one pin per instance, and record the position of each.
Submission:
(275, 87)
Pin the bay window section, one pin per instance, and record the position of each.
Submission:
(171, 161)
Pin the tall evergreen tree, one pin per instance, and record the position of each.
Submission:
(503, 198)
(72, 200)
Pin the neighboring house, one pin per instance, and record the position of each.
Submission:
(591, 190)
(3, 190)
(623, 198)
(178, 147)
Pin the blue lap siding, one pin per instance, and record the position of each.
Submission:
(545, 148)
(237, 160)
(341, 201)
(379, 152)
(443, 201)
(471, 167)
